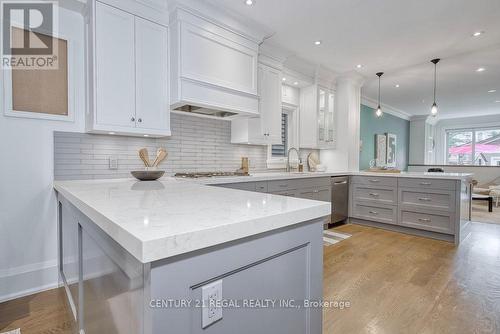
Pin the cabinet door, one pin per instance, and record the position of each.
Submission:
(115, 67)
(322, 105)
(152, 106)
(323, 194)
(270, 103)
(330, 119)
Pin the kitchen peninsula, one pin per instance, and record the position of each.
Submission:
(166, 242)
(127, 246)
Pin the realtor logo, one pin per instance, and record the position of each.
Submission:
(28, 34)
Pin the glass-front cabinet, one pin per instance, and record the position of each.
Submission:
(317, 121)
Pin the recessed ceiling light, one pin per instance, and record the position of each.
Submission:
(497, 101)
(111, 133)
(284, 79)
(249, 2)
(481, 69)
(359, 66)
(146, 135)
(397, 86)
(295, 83)
(492, 91)
(317, 42)
(477, 33)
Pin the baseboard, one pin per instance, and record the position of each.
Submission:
(29, 279)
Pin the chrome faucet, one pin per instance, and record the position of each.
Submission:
(288, 168)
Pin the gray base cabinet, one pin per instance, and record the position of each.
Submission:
(112, 292)
(434, 206)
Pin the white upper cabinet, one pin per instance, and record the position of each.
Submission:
(115, 67)
(127, 74)
(266, 129)
(152, 105)
(317, 118)
(212, 67)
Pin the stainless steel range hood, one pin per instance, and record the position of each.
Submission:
(205, 111)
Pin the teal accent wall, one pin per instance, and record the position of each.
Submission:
(372, 125)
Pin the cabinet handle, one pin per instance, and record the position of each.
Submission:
(139, 120)
(425, 199)
(374, 180)
(425, 220)
(132, 119)
(340, 182)
(374, 212)
(374, 194)
(426, 183)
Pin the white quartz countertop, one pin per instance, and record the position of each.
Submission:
(160, 219)
(270, 176)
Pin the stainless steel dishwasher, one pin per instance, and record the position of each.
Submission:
(340, 198)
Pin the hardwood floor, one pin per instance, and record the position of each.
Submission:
(44, 312)
(395, 283)
(398, 283)
(480, 213)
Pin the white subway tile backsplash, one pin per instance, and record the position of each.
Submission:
(196, 144)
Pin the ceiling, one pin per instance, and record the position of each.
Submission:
(398, 38)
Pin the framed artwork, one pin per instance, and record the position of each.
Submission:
(391, 150)
(381, 150)
(41, 93)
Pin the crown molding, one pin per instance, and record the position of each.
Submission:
(221, 17)
(369, 102)
(352, 77)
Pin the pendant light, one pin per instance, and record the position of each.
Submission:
(434, 108)
(378, 113)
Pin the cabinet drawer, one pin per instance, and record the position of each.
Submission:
(249, 186)
(382, 214)
(376, 195)
(427, 183)
(438, 200)
(375, 181)
(261, 186)
(280, 185)
(442, 223)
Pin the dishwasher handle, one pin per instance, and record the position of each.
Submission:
(339, 182)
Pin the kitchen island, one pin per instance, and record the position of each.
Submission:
(142, 257)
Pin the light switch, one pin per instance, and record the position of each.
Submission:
(113, 163)
(212, 299)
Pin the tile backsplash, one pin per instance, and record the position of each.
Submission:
(196, 144)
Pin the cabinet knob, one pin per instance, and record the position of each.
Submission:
(139, 120)
(132, 119)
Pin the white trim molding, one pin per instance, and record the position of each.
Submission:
(369, 102)
(28, 279)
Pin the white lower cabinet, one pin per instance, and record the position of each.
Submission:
(265, 129)
(128, 74)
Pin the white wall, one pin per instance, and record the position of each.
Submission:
(457, 123)
(28, 241)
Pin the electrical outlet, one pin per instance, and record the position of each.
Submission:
(113, 163)
(212, 308)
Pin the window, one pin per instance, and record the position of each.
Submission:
(479, 147)
(280, 151)
(277, 154)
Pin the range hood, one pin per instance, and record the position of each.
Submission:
(218, 74)
(205, 111)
